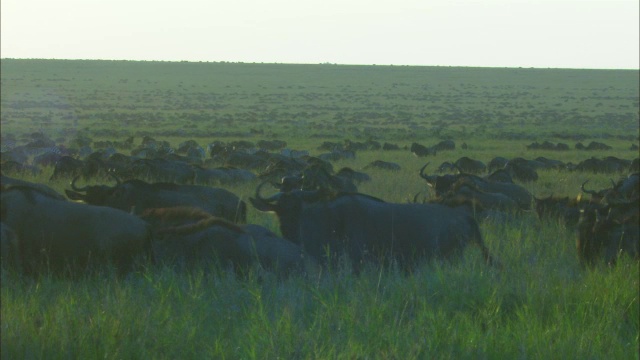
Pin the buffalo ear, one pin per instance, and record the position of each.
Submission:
(261, 205)
(75, 196)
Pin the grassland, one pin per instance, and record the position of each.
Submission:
(542, 304)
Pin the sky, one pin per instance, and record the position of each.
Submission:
(592, 34)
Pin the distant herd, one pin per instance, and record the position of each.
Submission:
(184, 220)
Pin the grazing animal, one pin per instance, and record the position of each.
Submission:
(56, 235)
(564, 208)
(186, 237)
(448, 182)
(607, 231)
(421, 150)
(470, 166)
(138, 195)
(385, 165)
(366, 228)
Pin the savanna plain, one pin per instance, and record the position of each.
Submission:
(542, 303)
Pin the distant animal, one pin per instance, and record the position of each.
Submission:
(56, 235)
(138, 195)
(421, 150)
(470, 166)
(385, 165)
(364, 228)
(442, 184)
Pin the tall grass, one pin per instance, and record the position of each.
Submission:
(540, 304)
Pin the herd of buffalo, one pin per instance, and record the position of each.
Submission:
(184, 220)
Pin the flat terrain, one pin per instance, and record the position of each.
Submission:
(541, 304)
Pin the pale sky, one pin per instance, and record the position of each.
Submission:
(595, 34)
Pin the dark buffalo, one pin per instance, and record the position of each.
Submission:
(497, 163)
(551, 163)
(522, 170)
(356, 177)
(137, 196)
(385, 165)
(500, 176)
(366, 228)
(445, 145)
(56, 235)
(9, 181)
(626, 189)
(451, 183)
(470, 166)
(388, 146)
(566, 209)
(421, 150)
(68, 167)
(606, 231)
(188, 237)
(447, 167)
(478, 202)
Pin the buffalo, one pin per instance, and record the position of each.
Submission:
(421, 150)
(361, 227)
(448, 182)
(385, 165)
(187, 237)
(470, 166)
(564, 208)
(607, 231)
(138, 195)
(57, 235)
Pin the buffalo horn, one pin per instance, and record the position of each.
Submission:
(431, 179)
(74, 187)
(271, 199)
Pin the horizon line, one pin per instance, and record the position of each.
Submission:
(319, 63)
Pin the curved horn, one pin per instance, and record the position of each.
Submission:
(422, 175)
(267, 200)
(74, 187)
(592, 192)
(431, 179)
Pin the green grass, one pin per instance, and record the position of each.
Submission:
(541, 304)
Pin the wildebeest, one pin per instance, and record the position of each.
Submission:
(366, 228)
(187, 237)
(421, 150)
(443, 184)
(522, 169)
(385, 165)
(470, 166)
(444, 145)
(138, 195)
(626, 189)
(9, 181)
(56, 235)
(478, 202)
(606, 231)
(564, 208)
